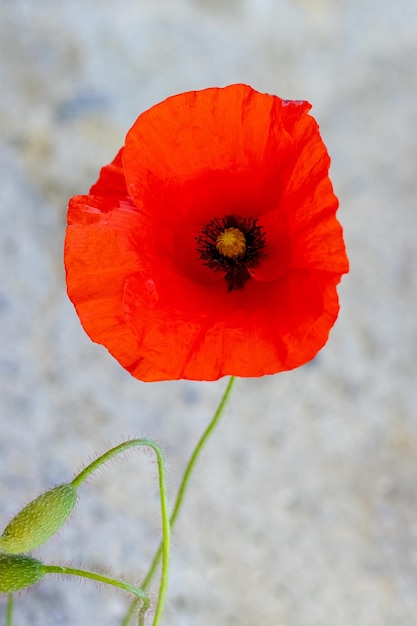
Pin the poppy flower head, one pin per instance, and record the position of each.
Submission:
(210, 246)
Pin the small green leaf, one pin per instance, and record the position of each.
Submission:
(39, 520)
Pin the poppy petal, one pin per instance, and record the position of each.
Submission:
(112, 180)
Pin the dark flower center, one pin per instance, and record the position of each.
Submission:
(233, 245)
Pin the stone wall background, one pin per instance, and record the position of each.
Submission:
(303, 510)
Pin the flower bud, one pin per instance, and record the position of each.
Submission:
(18, 571)
(39, 520)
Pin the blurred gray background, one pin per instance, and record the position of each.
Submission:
(303, 508)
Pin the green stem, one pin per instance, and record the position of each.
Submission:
(9, 612)
(181, 492)
(166, 539)
(187, 474)
(122, 447)
(72, 571)
(166, 527)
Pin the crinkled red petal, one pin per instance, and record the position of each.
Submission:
(112, 180)
(198, 155)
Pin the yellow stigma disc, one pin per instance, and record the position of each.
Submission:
(231, 243)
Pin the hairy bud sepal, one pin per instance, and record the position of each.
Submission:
(18, 571)
(39, 520)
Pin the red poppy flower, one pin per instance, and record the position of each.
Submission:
(209, 246)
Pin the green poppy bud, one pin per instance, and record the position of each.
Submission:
(18, 571)
(39, 520)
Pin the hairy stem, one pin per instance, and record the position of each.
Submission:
(72, 571)
(166, 527)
